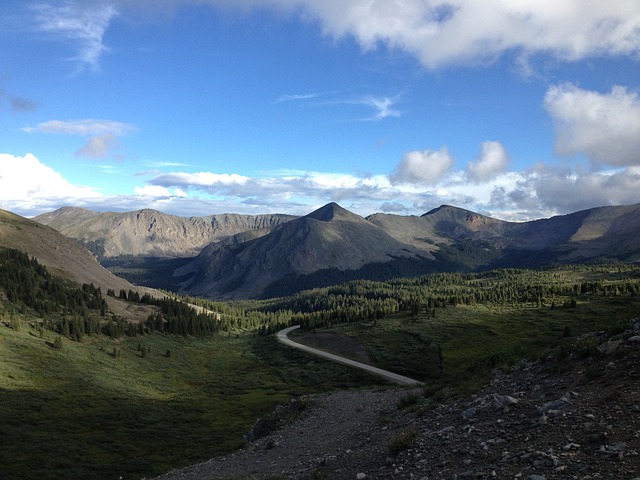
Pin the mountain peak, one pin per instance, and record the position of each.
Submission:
(332, 211)
(445, 208)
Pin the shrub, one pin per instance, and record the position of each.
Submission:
(408, 400)
(401, 441)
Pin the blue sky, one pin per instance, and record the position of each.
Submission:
(518, 110)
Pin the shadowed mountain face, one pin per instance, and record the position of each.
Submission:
(330, 237)
(273, 255)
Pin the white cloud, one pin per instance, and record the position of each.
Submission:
(82, 24)
(157, 191)
(26, 183)
(29, 187)
(605, 127)
(102, 134)
(493, 160)
(200, 179)
(423, 167)
(382, 107)
(567, 191)
(544, 191)
(437, 33)
(472, 31)
(296, 96)
(86, 127)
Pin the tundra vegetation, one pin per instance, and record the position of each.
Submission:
(87, 394)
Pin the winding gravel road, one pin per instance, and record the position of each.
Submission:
(283, 338)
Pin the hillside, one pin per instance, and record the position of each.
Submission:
(234, 256)
(330, 237)
(332, 245)
(149, 233)
(586, 233)
(554, 419)
(61, 255)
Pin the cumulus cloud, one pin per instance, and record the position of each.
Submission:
(493, 160)
(159, 192)
(26, 183)
(423, 167)
(29, 187)
(474, 31)
(437, 33)
(545, 190)
(604, 127)
(84, 24)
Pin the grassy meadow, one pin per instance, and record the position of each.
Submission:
(473, 340)
(103, 409)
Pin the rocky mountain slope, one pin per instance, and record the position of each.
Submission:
(328, 237)
(319, 248)
(238, 256)
(581, 234)
(149, 233)
(557, 419)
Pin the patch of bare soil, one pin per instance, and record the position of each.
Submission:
(564, 418)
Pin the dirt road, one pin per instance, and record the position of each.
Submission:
(282, 336)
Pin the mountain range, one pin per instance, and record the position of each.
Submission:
(149, 233)
(244, 256)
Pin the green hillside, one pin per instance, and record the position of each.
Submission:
(88, 395)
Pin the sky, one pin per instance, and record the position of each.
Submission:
(518, 109)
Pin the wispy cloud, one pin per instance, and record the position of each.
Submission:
(83, 127)
(20, 104)
(82, 24)
(292, 97)
(103, 135)
(383, 107)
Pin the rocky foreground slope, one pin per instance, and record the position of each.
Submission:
(563, 418)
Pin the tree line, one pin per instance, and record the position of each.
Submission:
(74, 311)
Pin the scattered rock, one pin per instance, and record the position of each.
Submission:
(541, 421)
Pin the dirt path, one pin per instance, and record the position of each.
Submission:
(282, 336)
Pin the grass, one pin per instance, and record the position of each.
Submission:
(474, 340)
(80, 412)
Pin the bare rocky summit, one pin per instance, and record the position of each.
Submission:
(149, 233)
(561, 418)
